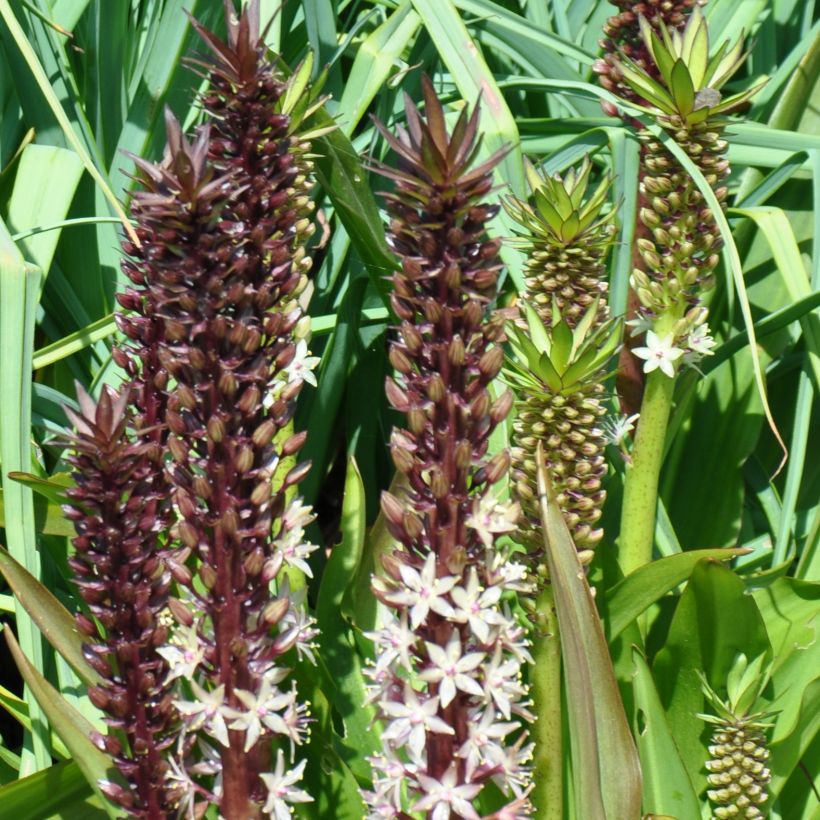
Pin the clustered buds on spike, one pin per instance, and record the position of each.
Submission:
(217, 355)
(120, 572)
(738, 775)
(678, 240)
(447, 679)
(559, 354)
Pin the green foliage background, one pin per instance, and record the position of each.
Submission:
(83, 81)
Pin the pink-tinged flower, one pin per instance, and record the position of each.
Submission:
(389, 782)
(423, 591)
(302, 365)
(265, 710)
(483, 741)
(184, 653)
(502, 682)
(476, 606)
(206, 712)
(282, 791)
(491, 518)
(411, 719)
(445, 798)
(450, 669)
(699, 343)
(394, 641)
(295, 550)
(659, 354)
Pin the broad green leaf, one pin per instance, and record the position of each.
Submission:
(44, 187)
(79, 340)
(58, 791)
(336, 642)
(53, 488)
(605, 766)
(640, 589)
(375, 59)
(344, 180)
(51, 617)
(777, 229)
(667, 789)
(702, 638)
(328, 778)
(19, 291)
(72, 727)
(49, 519)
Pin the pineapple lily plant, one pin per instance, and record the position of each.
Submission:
(520, 551)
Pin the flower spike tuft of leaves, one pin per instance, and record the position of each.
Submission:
(678, 240)
(559, 353)
(623, 38)
(119, 567)
(447, 677)
(739, 749)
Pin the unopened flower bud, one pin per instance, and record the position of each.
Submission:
(490, 362)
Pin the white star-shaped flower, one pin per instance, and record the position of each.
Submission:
(502, 682)
(699, 344)
(450, 669)
(208, 711)
(294, 550)
(491, 517)
(264, 710)
(483, 739)
(617, 428)
(184, 653)
(394, 640)
(659, 354)
(446, 798)
(476, 606)
(412, 718)
(423, 591)
(301, 366)
(281, 789)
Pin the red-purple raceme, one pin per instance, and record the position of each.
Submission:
(226, 294)
(223, 222)
(447, 677)
(120, 571)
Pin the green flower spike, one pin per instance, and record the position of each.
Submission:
(566, 237)
(679, 240)
(738, 751)
(557, 372)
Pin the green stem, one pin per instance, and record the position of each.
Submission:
(641, 481)
(547, 796)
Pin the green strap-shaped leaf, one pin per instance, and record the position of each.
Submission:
(336, 640)
(667, 789)
(640, 589)
(605, 766)
(72, 727)
(50, 616)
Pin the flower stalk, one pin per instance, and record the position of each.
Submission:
(677, 82)
(447, 677)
